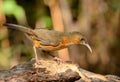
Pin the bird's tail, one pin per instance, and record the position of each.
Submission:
(18, 27)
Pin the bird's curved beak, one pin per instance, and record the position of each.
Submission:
(88, 46)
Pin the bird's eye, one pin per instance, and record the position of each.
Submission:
(82, 39)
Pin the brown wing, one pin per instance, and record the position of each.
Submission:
(49, 37)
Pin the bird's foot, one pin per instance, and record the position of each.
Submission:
(58, 60)
(37, 63)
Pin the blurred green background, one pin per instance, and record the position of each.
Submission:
(98, 20)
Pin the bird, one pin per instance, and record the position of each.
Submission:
(50, 40)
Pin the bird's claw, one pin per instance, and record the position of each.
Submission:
(58, 60)
(36, 62)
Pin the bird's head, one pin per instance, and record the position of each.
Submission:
(80, 39)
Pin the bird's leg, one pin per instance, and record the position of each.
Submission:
(36, 57)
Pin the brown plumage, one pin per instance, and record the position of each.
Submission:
(50, 39)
